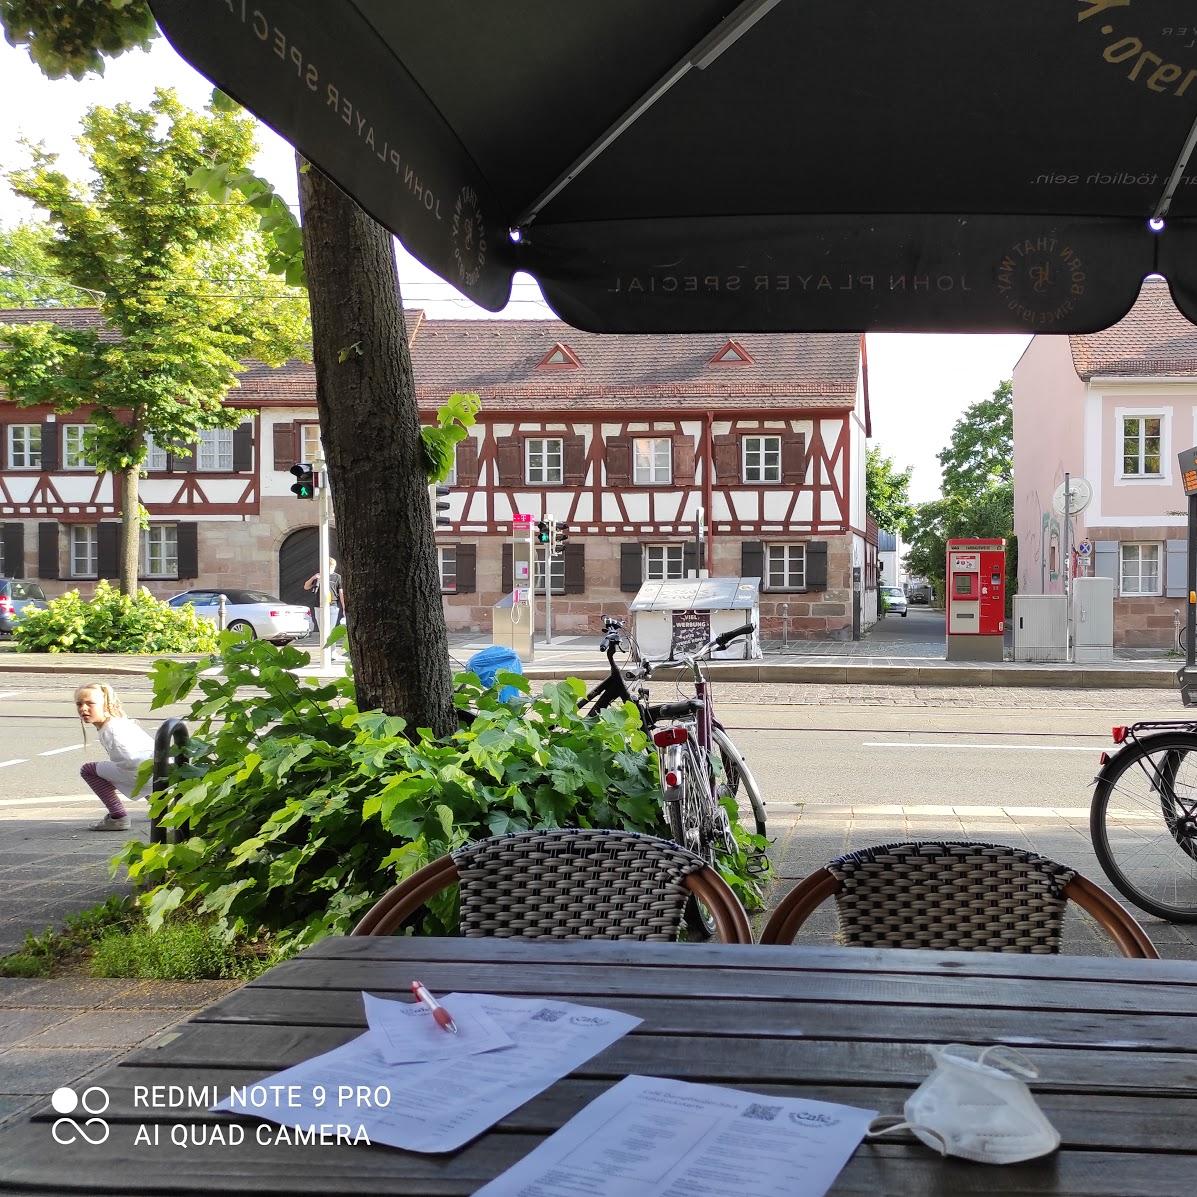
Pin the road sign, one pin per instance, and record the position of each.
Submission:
(1085, 548)
(520, 518)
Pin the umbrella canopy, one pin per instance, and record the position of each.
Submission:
(806, 165)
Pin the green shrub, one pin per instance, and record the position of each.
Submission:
(183, 950)
(297, 810)
(39, 955)
(111, 622)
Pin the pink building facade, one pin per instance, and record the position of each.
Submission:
(1114, 408)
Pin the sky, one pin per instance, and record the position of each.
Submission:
(918, 383)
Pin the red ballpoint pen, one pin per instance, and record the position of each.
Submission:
(444, 1019)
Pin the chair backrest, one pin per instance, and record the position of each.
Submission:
(970, 897)
(568, 884)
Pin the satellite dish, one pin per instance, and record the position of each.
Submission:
(1080, 497)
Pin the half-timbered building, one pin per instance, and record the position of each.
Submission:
(628, 441)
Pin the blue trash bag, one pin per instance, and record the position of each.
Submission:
(487, 663)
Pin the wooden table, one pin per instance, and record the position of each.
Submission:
(1115, 1041)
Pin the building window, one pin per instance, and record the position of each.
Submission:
(155, 456)
(84, 551)
(762, 459)
(310, 448)
(160, 551)
(216, 450)
(451, 477)
(543, 460)
(1142, 438)
(785, 567)
(447, 554)
(556, 572)
(73, 436)
(652, 460)
(664, 561)
(1139, 572)
(24, 446)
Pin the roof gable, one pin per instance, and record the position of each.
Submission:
(1153, 338)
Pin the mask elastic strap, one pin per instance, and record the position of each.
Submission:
(886, 1124)
(1012, 1060)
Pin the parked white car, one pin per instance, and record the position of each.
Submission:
(267, 617)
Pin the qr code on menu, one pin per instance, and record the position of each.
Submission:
(763, 1113)
(547, 1014)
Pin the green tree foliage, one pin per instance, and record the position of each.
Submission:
(73, 37)
(183, 279)
(887, 492)
(977, 492)
(29, 275)
(297, 810)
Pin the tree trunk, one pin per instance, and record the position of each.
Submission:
(370, 430)
(130, 530)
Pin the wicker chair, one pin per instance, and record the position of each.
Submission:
(958, 896)
(567, 884)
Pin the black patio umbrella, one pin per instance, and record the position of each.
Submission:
(687, 165)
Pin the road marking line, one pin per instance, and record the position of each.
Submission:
(987, 747)
(52, 800)
(56, 751)
(20, 760)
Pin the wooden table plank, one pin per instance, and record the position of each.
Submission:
(1163, 1031)
(598, 953)
(549, 979)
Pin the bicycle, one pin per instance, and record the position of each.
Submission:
(736, 775)
(1143, 818)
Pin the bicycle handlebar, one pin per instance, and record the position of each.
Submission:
(725, 638)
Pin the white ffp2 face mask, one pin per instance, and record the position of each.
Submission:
(976, 1110)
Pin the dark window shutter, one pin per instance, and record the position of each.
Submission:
(631, 566)
(108, 540)
(727, 460)
(689, 557)
(752, 559)
(619, 461)
(509, 457)
(467, 568)
(683, 459)
(243, 450)
(50, 436)
(574, 458)
(284, 446)
(47, 550)
(467, 463)
(14, 550)
(190, 464)
(793, 458)
(508, 582)
(575, 568)
(816, 565)
(187, 540)
(1105, 560)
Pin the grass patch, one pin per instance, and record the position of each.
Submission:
(113, 940)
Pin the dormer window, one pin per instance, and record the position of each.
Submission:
(560, 357)
(732, 354)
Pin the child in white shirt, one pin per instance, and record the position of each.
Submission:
(127, 747)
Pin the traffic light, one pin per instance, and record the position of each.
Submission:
(560, 539)
(543, 535)
(304, 486)
(438, 497)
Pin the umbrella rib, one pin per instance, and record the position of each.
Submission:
(1177, 171)
(701, 56)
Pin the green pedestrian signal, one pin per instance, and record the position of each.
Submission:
(304, 486)
(543, 535)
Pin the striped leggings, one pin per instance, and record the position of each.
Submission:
(104, 790)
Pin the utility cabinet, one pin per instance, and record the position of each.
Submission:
(679, 616)
(1040, 627)
(1093, 619)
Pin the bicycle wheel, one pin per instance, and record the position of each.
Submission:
(739, 780)
(1143, 821)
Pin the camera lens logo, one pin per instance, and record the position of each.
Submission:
(92, 1101)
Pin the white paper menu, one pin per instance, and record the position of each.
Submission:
(649, 1137)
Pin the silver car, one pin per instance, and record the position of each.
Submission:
(893, 601)
(15, 596)
(267, 617)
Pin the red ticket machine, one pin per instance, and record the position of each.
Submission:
(976, 599)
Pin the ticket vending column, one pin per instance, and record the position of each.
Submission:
(976, 599)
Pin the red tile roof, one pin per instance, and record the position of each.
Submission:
(1152, 338)
(499, 358)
